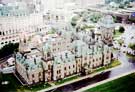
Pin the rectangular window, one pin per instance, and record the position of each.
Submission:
(49, 67)
(32, 75)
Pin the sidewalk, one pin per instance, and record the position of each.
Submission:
(102, 82)
(75, 80)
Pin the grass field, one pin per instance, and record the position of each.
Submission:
(124, 84)
(117, 34)
(113, 64)
(13, 83)
(15, 86)
(66, 79)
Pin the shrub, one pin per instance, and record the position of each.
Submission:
(132, 46)
(121, 29)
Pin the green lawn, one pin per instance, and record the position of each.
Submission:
(117, 34)
(99, 69)
(66, 79)
(113, 64)
(13, 83)
(124, 84)
(15, 86)
(38, 87)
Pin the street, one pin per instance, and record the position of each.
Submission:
(2, 60)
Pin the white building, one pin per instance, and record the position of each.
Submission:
(17, 18)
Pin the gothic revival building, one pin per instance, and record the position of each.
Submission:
(106, 26)
(55, 56)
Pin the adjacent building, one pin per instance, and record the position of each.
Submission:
(19, 17)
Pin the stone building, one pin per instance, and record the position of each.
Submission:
(106, 26)
(59, 56)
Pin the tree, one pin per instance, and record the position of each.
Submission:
(114, 18)
(121, 6)
(95, 17)
(74, 20)
(132, 46)
(8, 49)
(121, 29)
(132, 19)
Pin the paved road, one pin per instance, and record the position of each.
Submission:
(128, 65)
(2, 60)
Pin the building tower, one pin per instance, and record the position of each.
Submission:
(23, 44)
(107, 26)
